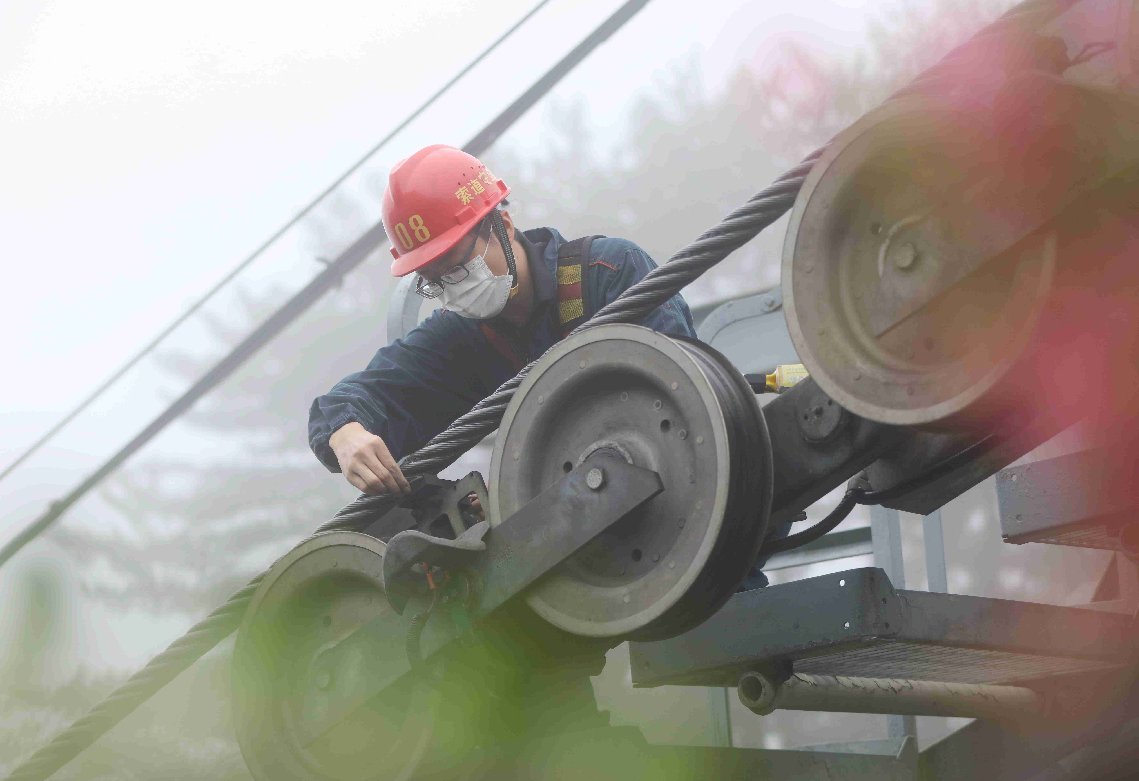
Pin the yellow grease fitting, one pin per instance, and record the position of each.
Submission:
(786, 376)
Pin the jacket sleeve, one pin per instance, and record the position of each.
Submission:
(410, 391)
(620, 264)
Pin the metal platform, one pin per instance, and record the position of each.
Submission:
(1079, 499)
(855, 623)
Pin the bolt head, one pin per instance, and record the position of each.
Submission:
(595, 478)
(905, 256)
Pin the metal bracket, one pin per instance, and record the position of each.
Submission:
(1084, 499)
(527, 545)
(435, 508)
(412, 547)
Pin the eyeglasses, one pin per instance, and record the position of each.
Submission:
(430, 288)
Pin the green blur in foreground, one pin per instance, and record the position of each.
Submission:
(183, 733)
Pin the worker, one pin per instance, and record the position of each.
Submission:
(507, 295)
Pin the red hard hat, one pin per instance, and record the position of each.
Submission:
(434, 198)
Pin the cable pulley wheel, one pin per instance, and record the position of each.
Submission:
(314, 597)
(880, 309)
(673, 406)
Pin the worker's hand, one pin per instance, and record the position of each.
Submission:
(472, 504)
(366, 462)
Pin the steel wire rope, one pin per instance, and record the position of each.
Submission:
(655, 288)
(253, 256)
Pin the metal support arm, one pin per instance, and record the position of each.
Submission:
(528, 544)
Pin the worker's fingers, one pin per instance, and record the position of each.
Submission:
(371, 460)
(356, 480)
(380, 448)
(370, 482)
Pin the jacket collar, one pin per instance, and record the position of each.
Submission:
(541, 246)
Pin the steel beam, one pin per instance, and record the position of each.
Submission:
(855, 623)
(1084, 499)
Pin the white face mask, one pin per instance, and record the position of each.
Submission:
(480, 296)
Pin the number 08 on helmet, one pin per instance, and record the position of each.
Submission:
(435, 198)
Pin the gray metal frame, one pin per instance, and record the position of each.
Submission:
(752, 333)
(1073, 500)
(857, 624)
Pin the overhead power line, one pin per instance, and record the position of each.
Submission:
(253, 256)
(321, 283)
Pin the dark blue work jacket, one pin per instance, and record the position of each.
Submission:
(416, 387)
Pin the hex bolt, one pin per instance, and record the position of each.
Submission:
(595, 478)
(323, 680)
(906, 256)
